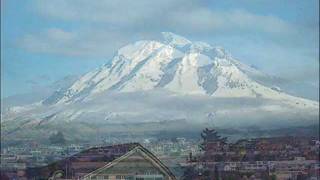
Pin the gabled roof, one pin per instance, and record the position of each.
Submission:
(90, 160)
(154, 160)
(84, 162)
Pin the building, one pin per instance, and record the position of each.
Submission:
(118, 162)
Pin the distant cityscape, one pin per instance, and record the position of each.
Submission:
(285, 157)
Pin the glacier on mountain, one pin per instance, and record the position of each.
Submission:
(154, 81)
(175, 64)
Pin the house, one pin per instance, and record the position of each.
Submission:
(118, 162)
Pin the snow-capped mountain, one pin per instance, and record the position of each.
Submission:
(161, 81)
(175, 64)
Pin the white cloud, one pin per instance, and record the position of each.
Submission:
(172, 14)
(107, 25)
(59, 35)
(50, 41)
(205, 20)
(89, 42)
(122, 12)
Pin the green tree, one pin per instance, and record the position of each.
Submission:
(210, 136)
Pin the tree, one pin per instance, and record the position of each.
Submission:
(210, 136)
(212, 143)
(57, 138)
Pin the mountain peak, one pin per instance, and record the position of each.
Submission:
(176, 65)
(155, 81)
(174, 39)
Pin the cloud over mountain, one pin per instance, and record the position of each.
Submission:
(163, 81)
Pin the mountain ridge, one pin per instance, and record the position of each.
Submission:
(175, 64)
(153, 81)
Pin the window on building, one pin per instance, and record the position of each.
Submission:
(129, 178)
(120, 177)
(149, 177)
(99, 177)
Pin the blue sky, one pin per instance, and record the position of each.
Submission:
(44, 40)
